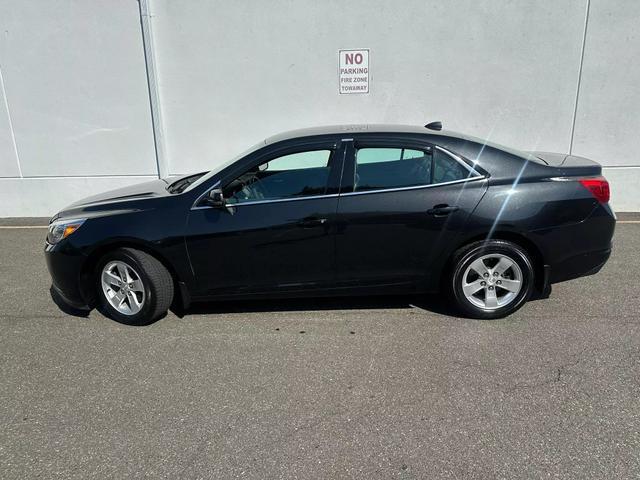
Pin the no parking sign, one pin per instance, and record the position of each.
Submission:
(353, 71)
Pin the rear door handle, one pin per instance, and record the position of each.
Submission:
(310, 222)
(442, 210)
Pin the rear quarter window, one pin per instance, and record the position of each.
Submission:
(448, 169)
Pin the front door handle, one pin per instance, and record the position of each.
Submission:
(310, 222)
(442, 210)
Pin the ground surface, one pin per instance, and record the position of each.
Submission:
(371, 389)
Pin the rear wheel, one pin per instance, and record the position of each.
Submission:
(491, 279)
(133, 287)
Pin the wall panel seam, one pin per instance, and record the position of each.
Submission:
(152, 86)
(575, 104)
(13, 135)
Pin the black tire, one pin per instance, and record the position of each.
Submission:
(468, 254)
(156, 280)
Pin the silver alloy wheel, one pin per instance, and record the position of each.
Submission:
(123, 288)
(492, 281)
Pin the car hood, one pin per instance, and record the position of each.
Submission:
(126, 198)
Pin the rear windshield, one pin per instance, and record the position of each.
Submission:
(530, 156)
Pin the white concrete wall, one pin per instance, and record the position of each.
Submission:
(233, 72)
(74, 112)
(608, 114)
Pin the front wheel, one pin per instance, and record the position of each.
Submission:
(491, 279)
(133, 287)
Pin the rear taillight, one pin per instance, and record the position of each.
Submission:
(598, 186)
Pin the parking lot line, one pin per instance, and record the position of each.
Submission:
(9, 227)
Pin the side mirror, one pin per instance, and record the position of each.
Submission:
(215, 198)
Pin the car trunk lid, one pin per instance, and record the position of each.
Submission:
(583, 170)
(570, 165)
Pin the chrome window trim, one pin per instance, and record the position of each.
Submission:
(281, 200)
(470, 178)
(415, 187)
(195, 205)
(334, 195)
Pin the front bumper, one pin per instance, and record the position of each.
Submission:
(65, 267)
(74, 303)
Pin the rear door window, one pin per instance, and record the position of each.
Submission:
(384, 168)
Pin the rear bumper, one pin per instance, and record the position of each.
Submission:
(580, 249)
(579, 265)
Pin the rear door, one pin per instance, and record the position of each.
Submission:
(401, 204)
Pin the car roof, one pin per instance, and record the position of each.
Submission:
(358, 128)
(434, 135)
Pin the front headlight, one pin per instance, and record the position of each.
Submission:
(62, 229)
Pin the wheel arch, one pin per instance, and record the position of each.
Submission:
(88, 270)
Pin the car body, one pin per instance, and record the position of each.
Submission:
(367, 222)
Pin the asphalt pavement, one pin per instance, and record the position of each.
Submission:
(372, 388)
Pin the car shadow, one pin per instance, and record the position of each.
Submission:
(431, 303)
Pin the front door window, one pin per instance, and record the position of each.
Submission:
(295, 175)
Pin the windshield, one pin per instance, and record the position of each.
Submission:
(181, 184)
(219, 168)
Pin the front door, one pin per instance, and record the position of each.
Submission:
(277, 229)
(402, 208)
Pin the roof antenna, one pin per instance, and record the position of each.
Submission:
(434, 126)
